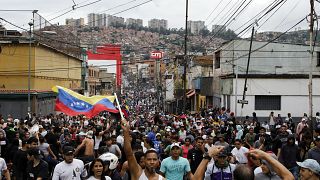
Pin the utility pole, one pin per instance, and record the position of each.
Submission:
(248, 63)
(311, 62)
(185, 62)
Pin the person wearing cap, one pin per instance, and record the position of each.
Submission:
(309, 169)
(314, 153)
(174, 166)
(220, 168)
(281, 139)
(36, 167)
(88, 144)
(271, 168)
(70, 168)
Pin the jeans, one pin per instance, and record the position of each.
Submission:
(295, 172)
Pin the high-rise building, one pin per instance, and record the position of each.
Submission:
(114, 21)
(103, 20)
(93, 20)
(196, 26)
(75, 22)
(158, 24)
(218, 28)
(130, 22)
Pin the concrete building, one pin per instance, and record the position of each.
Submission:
(196, 26)
(75, 22)
(93, 81)
(93, 20)
(48, 67)
(114, 21)
(218, 28)
(277, 78)
(158, 24)
(130, 22)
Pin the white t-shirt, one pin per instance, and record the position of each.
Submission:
(93, 178)
(240, 154)
(120, 140)
(74, 170)
(3, 166)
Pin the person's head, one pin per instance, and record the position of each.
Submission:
(221, 159)
(199, 142)
(262, 131)
(151, 160)
(238, 143)
(41, 139)
(251, 130)
(158, 136)
(187, 141)
(271, 113)
(26, 135)
(283, 129)
(110, 161)
(33, 142)
(108, 141)
(33, 154)
(266, 167)
(96, 168)
(309, 169)
(289, 114)
(1, 135)
(243, 172)
(140, 157)
(317, 141)
(68, 154)
(291, 140)
(175, 150)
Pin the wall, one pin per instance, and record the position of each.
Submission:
(52, 68)
(294, 96)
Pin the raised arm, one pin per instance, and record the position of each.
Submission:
(134, 167)
(281, 171)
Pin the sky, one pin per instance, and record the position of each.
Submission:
(285, 17)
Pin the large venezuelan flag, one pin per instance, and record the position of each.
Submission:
(73, 104)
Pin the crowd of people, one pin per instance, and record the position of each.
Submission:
(211, 144)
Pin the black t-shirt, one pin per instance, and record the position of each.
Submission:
(20, 162)
(41, 170)
(195, 156)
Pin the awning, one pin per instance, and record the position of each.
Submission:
(191, 93)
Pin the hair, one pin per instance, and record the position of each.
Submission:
(109, 139)
(33, 140)
(138, 155)
(243, 172)
(150, 151)
(34, 152)
(198, 138)
(91, 168)
(187, 138)
(238, 140)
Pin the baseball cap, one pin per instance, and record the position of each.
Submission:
(310, 164)
(174, 145)
(68, 150)
(89, 134)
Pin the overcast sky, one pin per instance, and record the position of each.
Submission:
(172, 10)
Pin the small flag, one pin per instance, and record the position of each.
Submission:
(72, 103)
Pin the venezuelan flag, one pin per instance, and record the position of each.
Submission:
(73, 104)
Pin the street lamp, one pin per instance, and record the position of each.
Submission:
(29, 67)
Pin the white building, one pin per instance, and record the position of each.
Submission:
(158, 24)
(114, 21)
(277, 78)
(93, 19)
(130, 22)
(196, 26)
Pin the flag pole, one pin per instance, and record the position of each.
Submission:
(118, 105)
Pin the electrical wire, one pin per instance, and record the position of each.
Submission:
(214, 10)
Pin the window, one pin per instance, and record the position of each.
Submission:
(318, 58)
(217, 60)
(267, 103)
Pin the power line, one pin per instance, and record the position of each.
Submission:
(214, 10)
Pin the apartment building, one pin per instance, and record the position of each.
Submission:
(158, 24)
